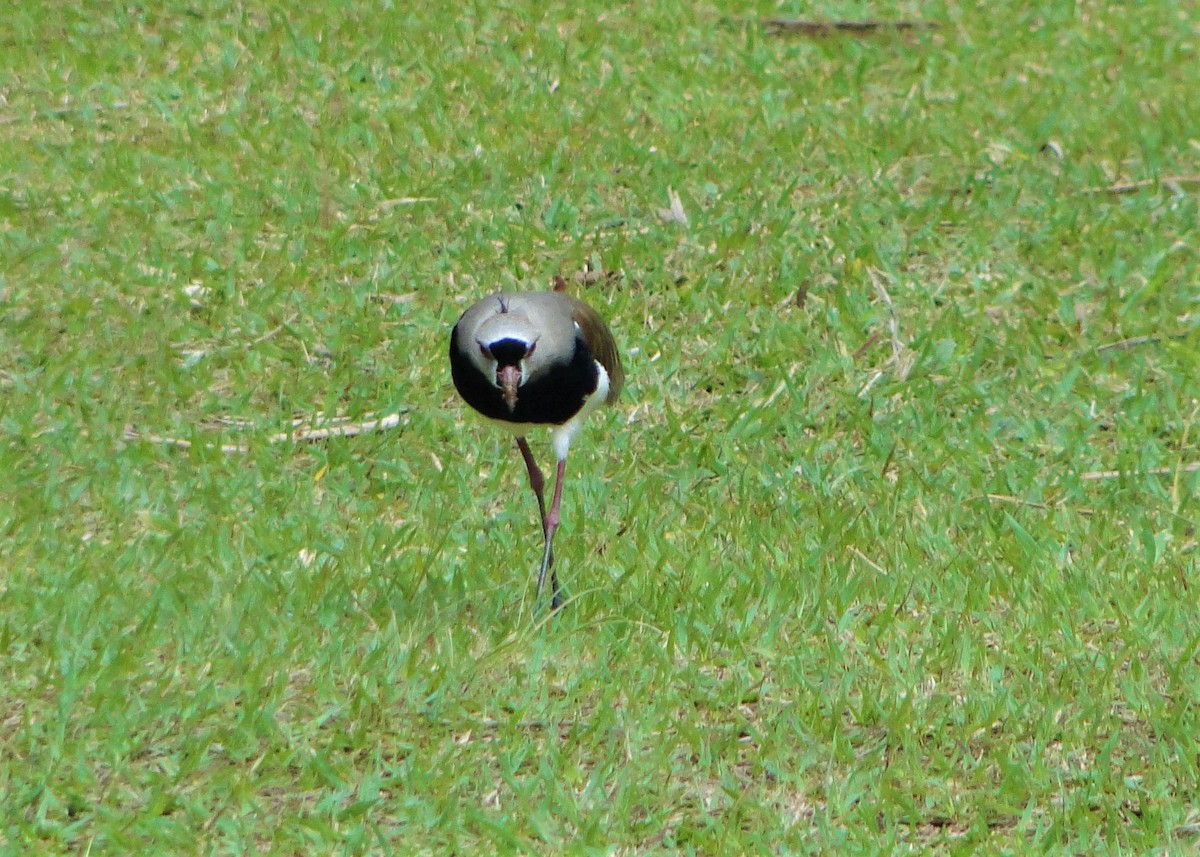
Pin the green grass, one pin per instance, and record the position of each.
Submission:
(839, 582)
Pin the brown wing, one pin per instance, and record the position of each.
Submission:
(600, 342)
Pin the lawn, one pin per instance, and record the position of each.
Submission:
(888, 546)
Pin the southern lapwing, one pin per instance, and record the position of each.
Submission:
(536, 359)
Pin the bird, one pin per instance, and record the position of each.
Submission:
(528, 360)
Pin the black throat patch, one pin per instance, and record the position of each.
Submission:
(508, 352)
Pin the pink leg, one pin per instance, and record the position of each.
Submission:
(536, 480)
(551, 526)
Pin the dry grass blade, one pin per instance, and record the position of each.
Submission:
(270, 334)
(674, 214)
(590, 276)
(594, 235)
(388, 204)
(586, 277)
(870, 563)
(195, 292)
(396, 300)
(902, 359)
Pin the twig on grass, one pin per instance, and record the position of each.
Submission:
(61, 112)
(133, 434)
(319, 418)
(1176, 183)
(1033, 504)
(307, 432)
(867, 345)
(1156, 471)
(781, 26)
(1134, 341)
(1129, 343)
(339, 429)
(995, 821)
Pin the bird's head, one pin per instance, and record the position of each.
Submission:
(506, 343)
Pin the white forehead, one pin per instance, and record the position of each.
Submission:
(509, 325)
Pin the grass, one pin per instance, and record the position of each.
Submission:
(843, 580)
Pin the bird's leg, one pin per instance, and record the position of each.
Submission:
(536, 480)
(538, 483)
(551, 528)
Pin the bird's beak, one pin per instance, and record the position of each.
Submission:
(508, 377)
